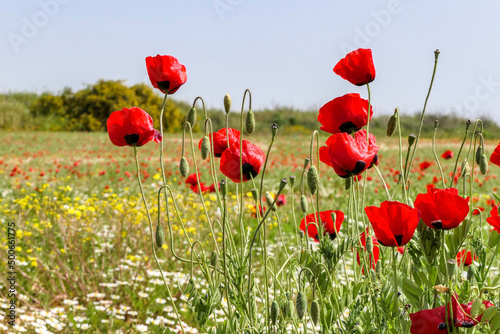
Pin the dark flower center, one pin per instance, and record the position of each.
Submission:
(163, 85)
(132, 139)
(374, 161)
(248, 171)
(360, 165)
(348, 127)
(437, 224)
(442, 326)
(333, 236)
(399, 239)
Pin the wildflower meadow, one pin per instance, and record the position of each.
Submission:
(233, 230)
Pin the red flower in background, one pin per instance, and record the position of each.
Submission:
(375, 256)
(252, 158)
(442, 208)
(347, 113)
(461, 313)
(356, 67)
(281, 200)
(330, 227)
(494, 218)
(349, 156)
(220, 140)
(193, 179)
(465, 259)
(495, 156)
(166, 73)
(429, 321)
(447, 155)
(394, 223)
(132, 127)
(424, 165)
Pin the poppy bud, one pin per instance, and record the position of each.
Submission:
(300, 304)
(483, 164)
(392, 123)
(184, 167)
(191, 117)
(250, 122)
(315, 312)
(255, 193)
(479, 153)
(289, 309)
(493, 240)
(312, 179)
(227, 103)
(213, 258)
(283, 183)
(269, 201)
(160, 236)
(410, 202)
(369, 245)
(471, 273)
(205, 147)
(411, 139)
(301, 234)
(292, 180)
(306, 162)
(274, 129)
(274, 312)
(303, 203)
(223, 188)
(348, 182)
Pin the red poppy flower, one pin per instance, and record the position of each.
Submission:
(220, 140)
(192, 179)
(495, 156)
(442, 208)
(203, 187)
(447, 155)
(429, 321)
(424, 165)
(211, 188)
(330, 227)
(252, 158)
(467, 259)
(494, 219)
(375, 256)
(262, 210)
(166, 73)
(461, 313)
(356, 67)
(394, 223)
(349, 156)
(347, 113)
(132, 127)
(281, 200)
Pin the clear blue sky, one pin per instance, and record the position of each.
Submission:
(284, 51)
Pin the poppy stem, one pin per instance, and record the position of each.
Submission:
(436, 124)
(395, 273)
(152, 239)
(467, 125)
(368, 117)
(383, 181)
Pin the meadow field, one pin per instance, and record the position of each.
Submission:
(83, 249)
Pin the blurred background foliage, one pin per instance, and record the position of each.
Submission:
(89, 108)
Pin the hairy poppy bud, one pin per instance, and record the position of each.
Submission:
(300, 304)
(274, 312)
(274, 129)
(160, 236)
(191, 117)
(315, 312)
(223, 188)
(483, 164)
(369, 244)
(213, 258)
(289, 309)
(493, 240)
(205, 147)
(303, 203)
(312, 179)
(411, 139)
(184, 167)
(348, 182)
(255, 194)
(227, 103)
(479, 153)
(250, 122)
(269, 201)
(471, 273)
(392, 123)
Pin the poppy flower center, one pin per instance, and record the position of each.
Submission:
(437, 224)
(132, 139)
(163, 85)
(248, 171)
(333, 236)
(399, 239)
(348, 127)
(360, 165)
(442, 326)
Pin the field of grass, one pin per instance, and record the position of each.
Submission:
(84, 261)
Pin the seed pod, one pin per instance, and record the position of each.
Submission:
(452, 266)
(269, 201)
(306, 162)
(303, 203)
(250, 122)
(274, 312)
(411, 139)
(479, 153)
(292, 180)
(227, 103)
(312, 179)
(348, 182)
(274, 129)
(223, 188)
(392, 123)
(300, 304)
(213, 258)
(369, 244)
(483, 164)
(471, 273)
(184, 167)
(160, 236)
(315, 312)
(191, 117)
(283, 183)
(205, 147)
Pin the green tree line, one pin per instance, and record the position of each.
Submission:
(89, 108)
